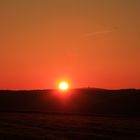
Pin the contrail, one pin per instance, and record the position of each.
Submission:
(99, 33)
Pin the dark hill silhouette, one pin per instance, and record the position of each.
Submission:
(77, 101)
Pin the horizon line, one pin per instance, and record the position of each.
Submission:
(92, 88)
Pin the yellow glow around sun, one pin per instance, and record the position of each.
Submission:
(63, 85)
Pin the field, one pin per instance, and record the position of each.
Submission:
(67, 127)
(81, 114)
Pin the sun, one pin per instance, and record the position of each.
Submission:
(63, 85)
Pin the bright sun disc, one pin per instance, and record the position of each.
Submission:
(63, 85)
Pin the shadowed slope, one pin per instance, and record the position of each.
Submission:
(79, 101)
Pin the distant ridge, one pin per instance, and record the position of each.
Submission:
(84, 88)
(75, 101)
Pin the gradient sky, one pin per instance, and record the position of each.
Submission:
(87, 42)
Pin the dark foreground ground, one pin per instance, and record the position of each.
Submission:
(22, 126)
(79, 114)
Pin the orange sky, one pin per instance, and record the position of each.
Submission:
(87, 42)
